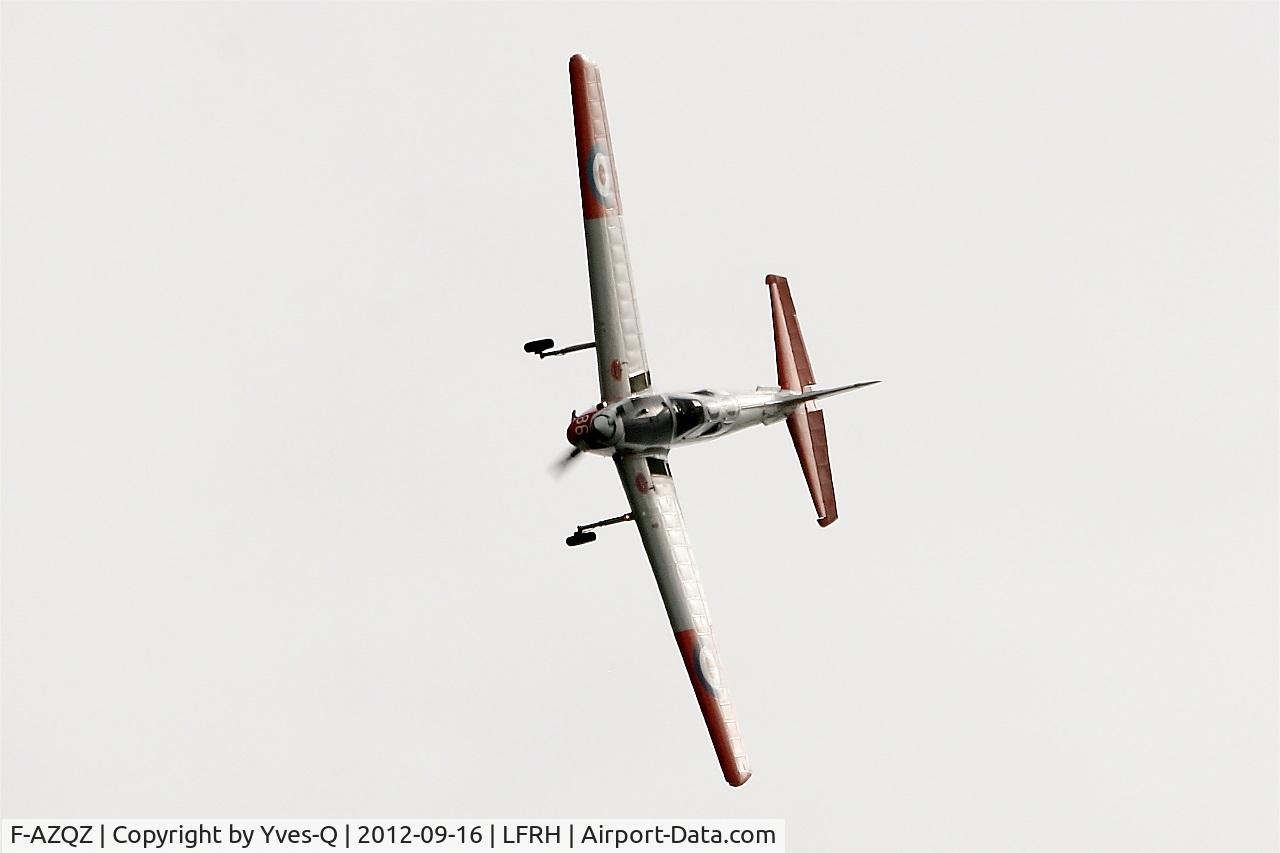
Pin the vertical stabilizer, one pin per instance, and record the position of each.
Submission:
(806, 424)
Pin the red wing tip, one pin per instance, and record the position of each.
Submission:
(738, 781)
(771, 280)
(578, 59)
(825, 521)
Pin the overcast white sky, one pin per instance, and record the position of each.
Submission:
(278, 533)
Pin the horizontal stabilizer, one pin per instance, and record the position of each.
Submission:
(809, 434)
(806, 423)
(794, 370)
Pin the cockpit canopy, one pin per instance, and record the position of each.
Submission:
(647, 421)
(690, 413)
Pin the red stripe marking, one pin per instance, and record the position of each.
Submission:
(688, 642)
(591, 207)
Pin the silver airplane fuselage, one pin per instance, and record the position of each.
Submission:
(649, 422)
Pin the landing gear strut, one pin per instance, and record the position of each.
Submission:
(543, 347)
(584, 534)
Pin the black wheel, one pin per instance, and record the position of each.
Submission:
(539, 346)
(582, 537)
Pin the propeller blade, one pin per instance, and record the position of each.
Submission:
(562, 464)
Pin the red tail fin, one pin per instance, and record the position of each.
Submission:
(794, 371)
(806, 423)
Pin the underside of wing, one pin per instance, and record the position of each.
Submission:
(620, 356)
(656, 510)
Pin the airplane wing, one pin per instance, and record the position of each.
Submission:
(656, 509)
(620, 356)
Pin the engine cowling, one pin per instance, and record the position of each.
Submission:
(597, 429)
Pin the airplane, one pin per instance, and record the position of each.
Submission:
(638, 426)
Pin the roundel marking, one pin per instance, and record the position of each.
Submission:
(615, 370)
(641, 483)
(705, 665)
(601, 172)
